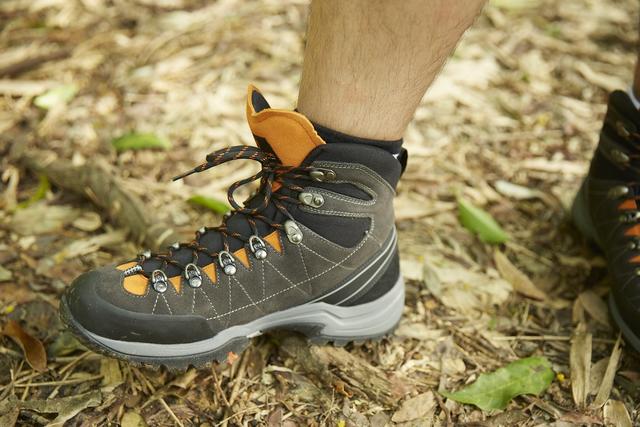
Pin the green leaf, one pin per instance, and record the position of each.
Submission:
(139, 141)
(41, 192)
(55, 96)
(480, 222)
(531, 375)
(209, 203)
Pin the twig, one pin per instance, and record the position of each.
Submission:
(58, 383)
(27, 64)
(95, 181)
(171, 412)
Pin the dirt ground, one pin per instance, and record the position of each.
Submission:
(509, 126)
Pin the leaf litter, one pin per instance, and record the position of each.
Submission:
(517, 133)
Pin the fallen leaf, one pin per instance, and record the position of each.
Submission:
(41, 218)
(10, 417)
(5, 274)
(515, 191)
(609, 375)
(66, 407)
(494, 390)
(616, 414)
(520, 282)
(595, 306)
(132, 419)
(111, 374)
(580, 364)
(139, 141)
(210, 203)
(88, 221)
(480, 222)
(55, 96)
(64, 344)
(596, 374)
(32, 348)
(417, 407)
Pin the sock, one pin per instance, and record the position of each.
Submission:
(633, 98)
(331, 136)
(393, 147)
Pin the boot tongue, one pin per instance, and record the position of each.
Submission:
(287, 134)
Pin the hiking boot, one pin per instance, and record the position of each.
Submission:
(606, 210)
(313, 251)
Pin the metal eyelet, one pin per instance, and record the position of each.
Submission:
(311, 199)
(159, 281)
(193, 276)
(146, 254)
(633, 245)
(258, 247)
(619, 156)
(637, 271)
(225, 259)
(630, 217)
(202, 230)
(618, 191)
(175, 245)
(322, 174)
(294, 234)
(622, 130)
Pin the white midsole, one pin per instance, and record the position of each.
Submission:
(355, 322)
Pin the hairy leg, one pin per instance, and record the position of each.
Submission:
(368, 63)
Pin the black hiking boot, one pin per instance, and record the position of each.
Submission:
(606, 210)
(314, 251)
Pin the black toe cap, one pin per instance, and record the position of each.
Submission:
(95, 303)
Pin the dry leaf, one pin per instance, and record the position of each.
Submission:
(580, 363)
(520, 282)
(132, 419)
(609, 375)
(616, 414)
(111, 374)
(415, 408)
(32, 348)
(597, 374)
(595, 306)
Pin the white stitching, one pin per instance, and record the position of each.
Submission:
(244, 290)
(323, 257)
(264, 288)
(304, 265)
(154, 304)
(210, 303)
(292, 284)
(167, 302)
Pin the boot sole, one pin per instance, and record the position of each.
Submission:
(320, 322)
(583, 223)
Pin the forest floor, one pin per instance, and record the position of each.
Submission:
(510, 126)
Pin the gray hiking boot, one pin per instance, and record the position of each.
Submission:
(314, 251)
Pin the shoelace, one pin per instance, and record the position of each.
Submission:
(272, 176)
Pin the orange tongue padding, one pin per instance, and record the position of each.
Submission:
(290, 135)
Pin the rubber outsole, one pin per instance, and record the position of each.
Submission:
(321, 323)
(584, 224)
